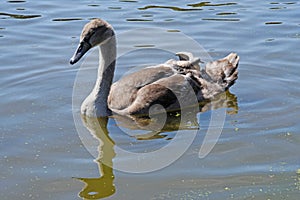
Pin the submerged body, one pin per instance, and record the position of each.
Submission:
(172, 85)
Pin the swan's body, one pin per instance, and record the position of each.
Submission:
(168, 84)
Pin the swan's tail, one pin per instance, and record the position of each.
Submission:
(223, 71)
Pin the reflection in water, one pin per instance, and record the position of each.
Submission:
(195, 6)
(278, 8)
(221, 19)
(16, 1)
(174, 121)
(129, 1)
(139, 20)
(201, 4)
(273, 23)
(298, 179)
(97, 188)
(114, 8)
(169, 7)
(226, 13)
(94, 5)
(20, 16)
(66, 19)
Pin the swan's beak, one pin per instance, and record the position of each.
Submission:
(82, 48)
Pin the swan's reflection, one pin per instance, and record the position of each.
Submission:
(97, 188)
(174, 121)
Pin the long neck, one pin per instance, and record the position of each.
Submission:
(107, 61)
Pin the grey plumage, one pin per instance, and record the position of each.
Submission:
(173, 84)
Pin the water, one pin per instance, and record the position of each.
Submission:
(256, 156)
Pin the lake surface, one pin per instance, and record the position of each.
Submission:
(44, 157)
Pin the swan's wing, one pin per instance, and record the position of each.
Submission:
(169, 89)
(170, 93)
(124, 91)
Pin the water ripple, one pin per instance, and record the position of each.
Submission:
(173, 31)
(114, 8)
(129, 1)
(273, 23)
(16, 16)
(277, 8)
(222, 19)
(289, 3)
(139, 20)
(201, 4)
(226, 13)
(147, 15)
(66, 19)
(94, 5)
(16, 1)
(169, 7)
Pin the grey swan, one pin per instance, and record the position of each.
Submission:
(167, 84)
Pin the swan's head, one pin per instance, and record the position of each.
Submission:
(94, 33)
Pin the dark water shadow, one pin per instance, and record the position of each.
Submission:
(103, 186)
(202, 4)
(174, 8)
(16, 1)
(17, 16)
(185, 119)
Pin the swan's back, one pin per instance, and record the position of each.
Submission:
(125, 91)
(170, 83)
